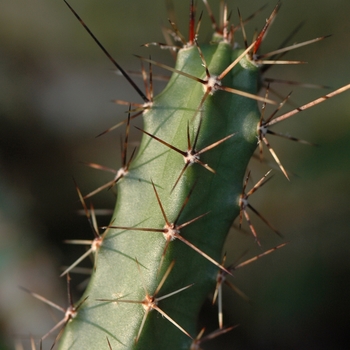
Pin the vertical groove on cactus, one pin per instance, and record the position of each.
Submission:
(179, 193)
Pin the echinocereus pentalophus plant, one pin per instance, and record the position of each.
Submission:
(180, 191)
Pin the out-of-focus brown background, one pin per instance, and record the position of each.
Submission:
(55, 93)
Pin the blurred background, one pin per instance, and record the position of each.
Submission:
(56, 89)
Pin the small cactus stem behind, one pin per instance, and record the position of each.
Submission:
(206, 116)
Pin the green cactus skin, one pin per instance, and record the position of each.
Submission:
(202, 205)
(215, 194)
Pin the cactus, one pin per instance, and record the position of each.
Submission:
(179, 193)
